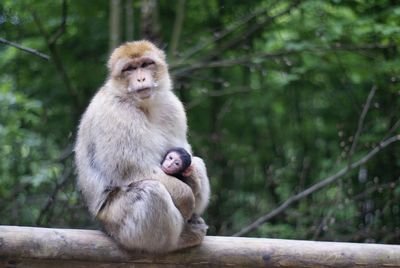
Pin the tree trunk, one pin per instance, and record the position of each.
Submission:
(180, 10)
(150, 27)
(115, 23)
(129, 15)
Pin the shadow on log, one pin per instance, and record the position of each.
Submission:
(46, 247)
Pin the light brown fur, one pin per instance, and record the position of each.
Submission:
(121, 140)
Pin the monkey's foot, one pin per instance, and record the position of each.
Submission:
(196, 219)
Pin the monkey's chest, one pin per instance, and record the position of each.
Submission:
(138, 147)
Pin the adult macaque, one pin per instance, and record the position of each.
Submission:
(123, 135)
(177, 162)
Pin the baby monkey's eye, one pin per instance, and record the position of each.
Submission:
(177, 164)
(170, 158)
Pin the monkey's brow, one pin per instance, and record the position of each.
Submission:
(143, 59)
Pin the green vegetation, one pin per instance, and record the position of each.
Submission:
(275, 92)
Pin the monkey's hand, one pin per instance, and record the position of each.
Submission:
(199, 183)
(187, 172)
(194, 175)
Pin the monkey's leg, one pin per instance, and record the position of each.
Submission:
(143, 216)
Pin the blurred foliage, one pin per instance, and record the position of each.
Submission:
(273, 89)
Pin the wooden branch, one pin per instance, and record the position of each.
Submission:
(26, 49)
(43, 247)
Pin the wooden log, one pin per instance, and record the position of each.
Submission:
(46, 247)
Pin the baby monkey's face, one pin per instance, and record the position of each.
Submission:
(172, 163)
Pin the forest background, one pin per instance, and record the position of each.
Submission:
(294, 105)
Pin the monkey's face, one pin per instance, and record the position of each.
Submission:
(172, 163)
(139, 73)
(139, 67)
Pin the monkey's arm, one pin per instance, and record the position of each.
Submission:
(91, 181)
(200, 185)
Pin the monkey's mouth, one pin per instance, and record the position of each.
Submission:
(144, 93)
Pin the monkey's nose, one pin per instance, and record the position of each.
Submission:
(141, 80)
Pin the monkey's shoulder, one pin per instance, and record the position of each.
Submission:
(170, 108)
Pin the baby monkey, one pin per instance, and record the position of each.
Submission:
(177, 162)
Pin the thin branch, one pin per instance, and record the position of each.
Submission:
(375, 188)
(324, 221)
(229, 62)
(251, 30)
(65, 153)
(228, 30)
(393, 129)
(57, 60)
(178, 70)
(319, 185)
(220, 93)
(26, 49)
(53, 195)
(60, 31)
(334, 206)
(361, 122)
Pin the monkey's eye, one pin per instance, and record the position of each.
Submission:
(146, 64)
(177, 164)
(129, 68)
(170, 158)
